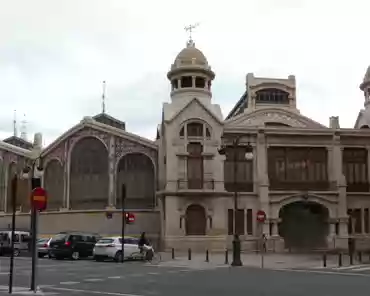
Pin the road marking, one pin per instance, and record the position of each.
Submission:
(114, 277)
(321, 272)
(93, 280)
(69, 283)
(93, 292)
(153, 273)
(349, 267)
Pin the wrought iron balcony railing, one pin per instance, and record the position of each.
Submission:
(195, 184)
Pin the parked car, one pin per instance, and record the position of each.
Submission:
(74, 245)
(22, 240)
(111, 248)
(43, 246)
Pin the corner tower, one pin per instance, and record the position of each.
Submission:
(190, 75)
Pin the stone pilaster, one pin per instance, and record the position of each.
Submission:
(262, 177)
(368, 163)
(111, 164)
(66, 168)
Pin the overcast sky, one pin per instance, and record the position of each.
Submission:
(55, 54)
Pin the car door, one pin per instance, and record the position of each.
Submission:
(78, 244)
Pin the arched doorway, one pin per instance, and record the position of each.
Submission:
(196, 222)
(54, 184)
(136, 171)
(304, 225)
(89, 175)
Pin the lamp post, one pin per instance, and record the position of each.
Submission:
(248, 156)
(34, 172)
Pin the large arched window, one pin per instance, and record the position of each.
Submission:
(54, 184)
(195, 130)
(136, 172)
(89, 178)
(2, 184)
(272, 96)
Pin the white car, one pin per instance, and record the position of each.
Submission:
(110, 248)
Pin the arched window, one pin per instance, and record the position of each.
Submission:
(194, 129)
(364, 126)
(272, 96)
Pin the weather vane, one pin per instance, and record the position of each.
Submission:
(190, 29)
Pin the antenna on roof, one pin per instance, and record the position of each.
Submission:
(103, 97)
(15, 132)
(24, 128)
(190, 29)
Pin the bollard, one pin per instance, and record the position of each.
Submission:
(189, 254)
(173, 253)
(351, 258)
(207, 256)
(324, 260)
(360, 256)
(340, 259)
(226, 256)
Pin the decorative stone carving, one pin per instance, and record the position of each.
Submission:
(124, 146)
(269, 116)
(85, 132)
(56, 153)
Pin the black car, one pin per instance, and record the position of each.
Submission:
(73, 245)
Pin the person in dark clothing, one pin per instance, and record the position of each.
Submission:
(143, 242)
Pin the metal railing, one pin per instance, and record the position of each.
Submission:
(195, 184)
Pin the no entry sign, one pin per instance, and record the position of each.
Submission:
(261, 216)
(39, 198)
(130, 218)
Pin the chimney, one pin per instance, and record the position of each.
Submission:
(334, 122)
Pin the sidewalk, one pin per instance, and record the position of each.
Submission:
(273, 261)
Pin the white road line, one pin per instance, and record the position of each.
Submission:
(361, 268)
(321, 272)
(93, 280)
(115, 277)
(349, 267)
(69, 283)
(93, 292)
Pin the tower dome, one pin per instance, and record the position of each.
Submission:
(190, 73)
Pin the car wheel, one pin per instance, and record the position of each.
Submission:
(75, 255)
(118, 257)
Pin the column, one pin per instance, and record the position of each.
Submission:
(192, 81)
(66, 166)
(111, 163)
(342, 186)
(368, 163)
(263, 186)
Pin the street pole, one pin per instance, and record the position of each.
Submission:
(123, 198)
(236, 242)
(14, 204)
(35, 182)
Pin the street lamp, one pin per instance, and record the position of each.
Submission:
(248, 155)
(34, 172)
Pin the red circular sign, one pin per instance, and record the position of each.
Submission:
(39, 198)
(261, 216)
(130, 217)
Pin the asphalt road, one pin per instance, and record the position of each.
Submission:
(138, 279)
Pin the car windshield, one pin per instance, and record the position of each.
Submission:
(42, 240)
(59, 237)
(105, 241)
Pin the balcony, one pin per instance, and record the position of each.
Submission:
(300, 185)
(239, 186)
(195, 184)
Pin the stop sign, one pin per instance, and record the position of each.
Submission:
(261, 216)
(39, 198)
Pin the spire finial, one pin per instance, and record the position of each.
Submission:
(24, 128)
(15, 132)
(190, 29)
(103, 97)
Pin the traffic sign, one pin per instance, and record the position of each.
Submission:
(261, 216)
(39, 198)
(130, 218)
